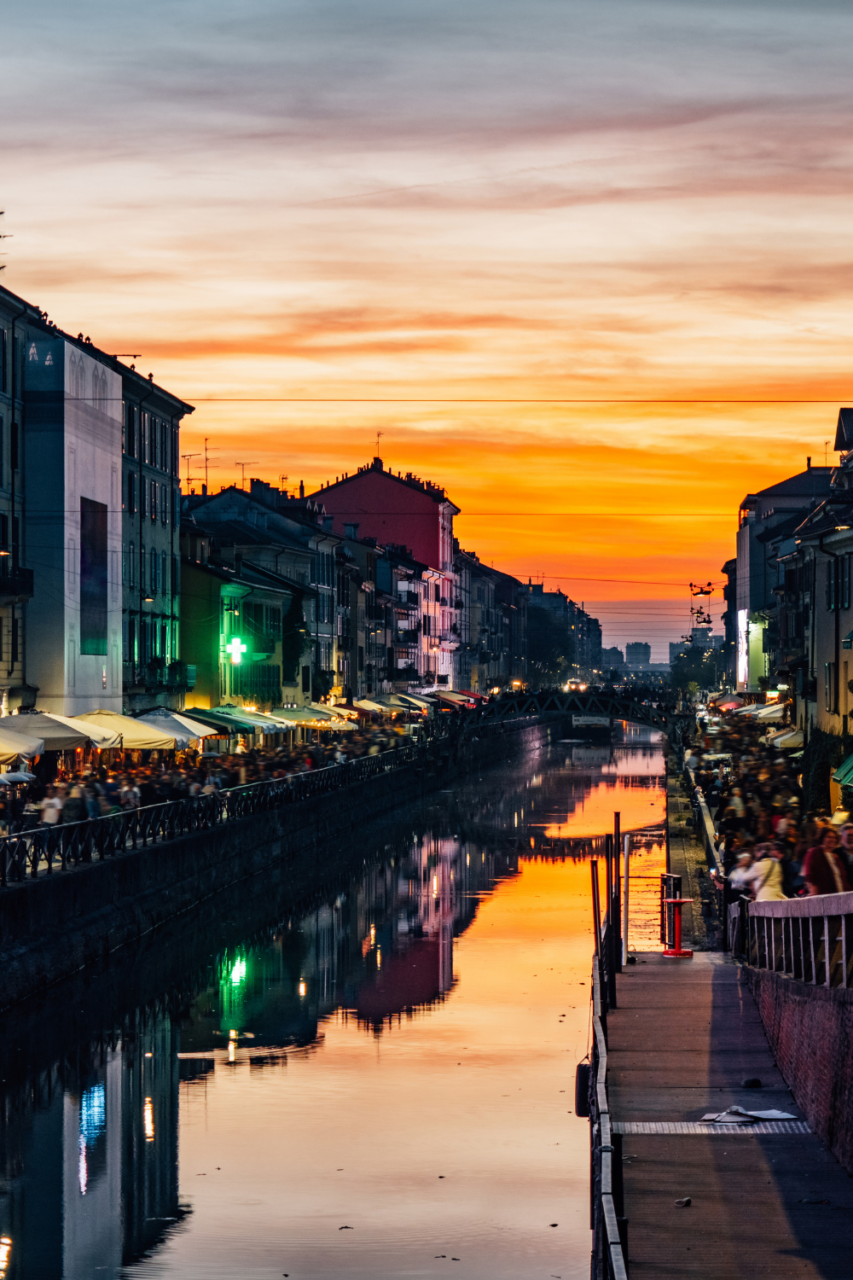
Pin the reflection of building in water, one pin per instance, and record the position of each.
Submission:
(89, 1158)
(380, 949)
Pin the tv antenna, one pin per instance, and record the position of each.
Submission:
(186, 457)
(243, 466)
(379, 435)
(282, 482)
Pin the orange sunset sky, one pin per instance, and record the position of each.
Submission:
(588, 265)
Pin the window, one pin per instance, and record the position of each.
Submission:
(163, 578)
(4, 357)
(164, 445)
(437, 593)
(153, 487)
(153, 580)
(143, 496)
(427, 625)
(131, 567)
(130, 430)
(93, 577)
(131, 492)
(142, 569)
(124, 566)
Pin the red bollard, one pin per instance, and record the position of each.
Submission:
(677, 952)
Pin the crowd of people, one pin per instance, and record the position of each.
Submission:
(109, 787)
(768, 846)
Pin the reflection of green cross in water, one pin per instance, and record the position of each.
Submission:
(236, 648)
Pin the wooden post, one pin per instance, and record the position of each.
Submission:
(616, 909)
(596, 920)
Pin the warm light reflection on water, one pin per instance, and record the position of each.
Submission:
(381, 1087)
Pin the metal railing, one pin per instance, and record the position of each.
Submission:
(607, 1200)
(809, 939)
(45, 849)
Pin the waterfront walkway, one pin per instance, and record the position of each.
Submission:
(684, 1037)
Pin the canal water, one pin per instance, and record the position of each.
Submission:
(381, 1086)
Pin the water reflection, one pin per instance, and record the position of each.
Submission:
(399, 1054)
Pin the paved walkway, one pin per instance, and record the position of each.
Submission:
(685, 1036)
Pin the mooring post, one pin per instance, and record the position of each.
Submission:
(596, 921)
(616, 909)
(625, 898)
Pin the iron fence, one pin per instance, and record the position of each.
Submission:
(809, 939)
(45, 849)
(607, 1200)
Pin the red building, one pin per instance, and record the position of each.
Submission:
(399, 510)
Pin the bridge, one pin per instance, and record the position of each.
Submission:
(658, 714)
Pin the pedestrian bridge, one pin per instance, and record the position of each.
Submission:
(658, 714)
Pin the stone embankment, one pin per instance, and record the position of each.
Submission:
(54, 926)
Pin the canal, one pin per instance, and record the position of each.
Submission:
(380, 1084)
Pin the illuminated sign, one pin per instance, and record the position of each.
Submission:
(236, 648)
(743, 647)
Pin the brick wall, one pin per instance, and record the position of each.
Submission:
(810, 1030)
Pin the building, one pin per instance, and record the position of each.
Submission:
(66, 637)
(279, 562)
(415, 517)
(583, 632)
(767, 524)
(153, 673)
(612, 657)
(638, 653)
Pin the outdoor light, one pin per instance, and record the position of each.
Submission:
(149, 599)
(236, 648)
(4, 551)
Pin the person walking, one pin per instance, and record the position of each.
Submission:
(824, 870)
(764, 877)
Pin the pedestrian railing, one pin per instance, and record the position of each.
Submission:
(702, 821)
(45, 849)
(607, 1199)
(810, 939)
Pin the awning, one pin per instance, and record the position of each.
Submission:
(773, 711)
(183, 730)
(99, 736)
(56, 735)
(13, 745)
(225, 725)
(367, 704)
(134, 735)
(787, 740)
(844, 773)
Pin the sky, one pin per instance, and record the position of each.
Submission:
(587, 265)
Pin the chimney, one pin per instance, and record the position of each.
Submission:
(351, 531)
(302, 488)
(808, 464)
(204, 490)
(377, 464)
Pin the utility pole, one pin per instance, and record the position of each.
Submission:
(206, 438)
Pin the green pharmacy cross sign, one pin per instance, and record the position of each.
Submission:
(236, 648)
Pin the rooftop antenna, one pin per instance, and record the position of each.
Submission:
(186, 457)
(7, 236)
(282, 484)
(379, 435)
(243, 466)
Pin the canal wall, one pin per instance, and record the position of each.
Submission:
(57, 925)
(810, 1031)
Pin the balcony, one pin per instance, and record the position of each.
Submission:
(156, 675)
(406, 639)
(16, 585)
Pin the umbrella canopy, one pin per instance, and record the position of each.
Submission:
(262, 723)
(788, 740)
(368, 704)
(15, 777)
(99, 737)
(13, 745)
(184, 731)
(55, 735)
(135, 736)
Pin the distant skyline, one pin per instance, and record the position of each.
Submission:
(320, 221)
